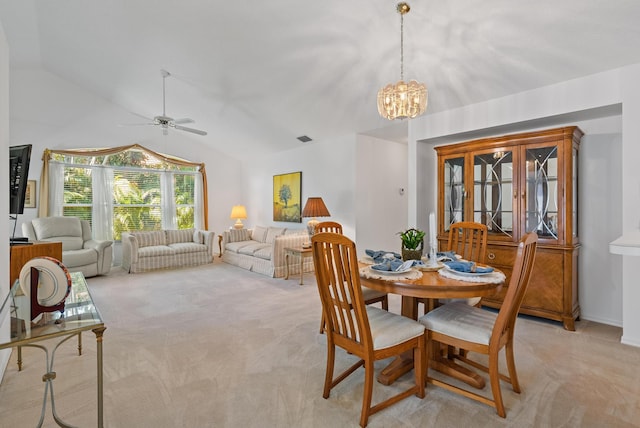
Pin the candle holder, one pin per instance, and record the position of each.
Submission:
(433, 256)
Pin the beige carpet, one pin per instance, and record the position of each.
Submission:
(217, 346)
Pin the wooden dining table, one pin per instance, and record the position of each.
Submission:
(430, 286)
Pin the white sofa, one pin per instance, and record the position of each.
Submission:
(261, 249)
(80, 253)
(164, 249)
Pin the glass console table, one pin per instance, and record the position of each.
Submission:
(80, 314)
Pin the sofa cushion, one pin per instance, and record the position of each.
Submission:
(188, 247)
(182, 235)
(237, 235)
(264, 253)
(82, 257)
(259, 234)
(53, 227)
(250, 249)
(235, 246)
(272, 233)
(149, 238)
(156, 250)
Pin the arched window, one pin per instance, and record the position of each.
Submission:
(124, 188)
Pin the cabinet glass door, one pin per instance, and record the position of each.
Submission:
(541, 194)
(492, 192)
(454, 192)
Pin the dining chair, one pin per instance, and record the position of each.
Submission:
(367, 332)
(370, 296)
(478, 330)
(469, 240)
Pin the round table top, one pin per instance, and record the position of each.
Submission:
(432, 285)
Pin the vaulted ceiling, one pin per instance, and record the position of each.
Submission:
(257, 74)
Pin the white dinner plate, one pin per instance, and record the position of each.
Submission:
(457, 272)
(54, 281)
(390, 272)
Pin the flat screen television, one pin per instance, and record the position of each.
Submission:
(19, 158)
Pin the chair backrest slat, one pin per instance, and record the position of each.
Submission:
(520, 276)
(338, 280)
(329, 226)
(469, 240)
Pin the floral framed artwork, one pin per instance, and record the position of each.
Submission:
(30, 194)
(287, 197)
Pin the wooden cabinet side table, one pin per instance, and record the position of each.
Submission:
(296, 252)
(21, 254)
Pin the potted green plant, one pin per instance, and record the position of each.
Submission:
(412, 244)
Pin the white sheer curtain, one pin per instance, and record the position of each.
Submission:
(102, 209)
(168, 203)
(56, 188)
(198, 202)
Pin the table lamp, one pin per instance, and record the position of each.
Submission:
(238, 212)
(314, 207)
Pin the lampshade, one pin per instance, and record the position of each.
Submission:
(238, 212)
(404, 99)
(314, 207)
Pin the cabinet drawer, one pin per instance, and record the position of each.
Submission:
(501, 256)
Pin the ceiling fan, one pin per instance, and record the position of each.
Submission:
(165, 121)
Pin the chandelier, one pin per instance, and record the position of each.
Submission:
(402, 100)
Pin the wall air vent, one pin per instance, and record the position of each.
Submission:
(304, 138)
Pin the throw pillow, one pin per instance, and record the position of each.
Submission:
(198, 237)
(237, 235)
(272, 233)
(259, 234)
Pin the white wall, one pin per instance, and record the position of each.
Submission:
(327, 171)
(357, 177)
(381, 206)
(606, 107)
(4, 191)
(50, 112)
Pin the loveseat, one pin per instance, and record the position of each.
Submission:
(164, 249)
(261, 249)
(80, 253)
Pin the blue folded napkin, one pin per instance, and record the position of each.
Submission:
(445, 256)
(468, 267)
(395, 265)
(378, 255)
(389, 265)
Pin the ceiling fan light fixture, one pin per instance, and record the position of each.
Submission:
(404, 99)
(165, 121)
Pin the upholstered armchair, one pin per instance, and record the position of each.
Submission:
(80, 253)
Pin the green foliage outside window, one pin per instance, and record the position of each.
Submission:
(137, 191)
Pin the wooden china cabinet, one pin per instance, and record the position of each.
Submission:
(517, 184)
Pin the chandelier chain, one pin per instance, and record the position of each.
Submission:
(402, 46)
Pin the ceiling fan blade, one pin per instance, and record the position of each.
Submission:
(135, 124)
(183, 120)
(195, 131)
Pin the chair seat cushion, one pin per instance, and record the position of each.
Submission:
(81, 257)
(461, 321)
(389, 329)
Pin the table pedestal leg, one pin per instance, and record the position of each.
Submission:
(404, 363)
(398, 367)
